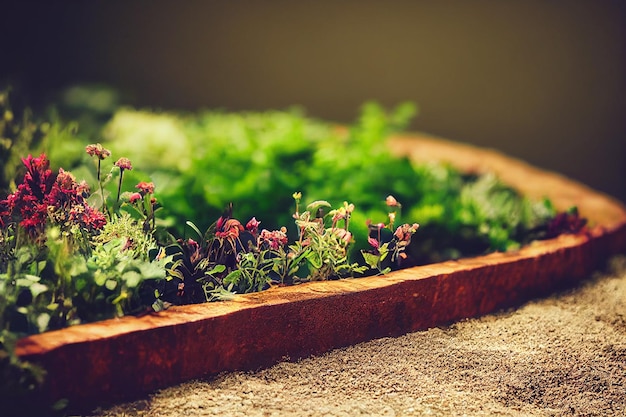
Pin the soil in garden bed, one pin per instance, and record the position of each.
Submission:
(560, 356)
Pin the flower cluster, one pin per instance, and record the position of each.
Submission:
(98, 151)
(273, 239)
(68, 205)
(123, 164)
(145, 189)
(388, 245)
(43, 197)
(403, 236)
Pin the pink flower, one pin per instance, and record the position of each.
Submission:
(253, 225)
(134, 197)
(343, 234)
(391, 201)
(403, 233)
(97, 150)
(274, 239)
(124, 163)
(145, 187)
(399, 234)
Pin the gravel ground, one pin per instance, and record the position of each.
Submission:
(559, 356)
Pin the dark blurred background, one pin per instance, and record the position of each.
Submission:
(544, 81)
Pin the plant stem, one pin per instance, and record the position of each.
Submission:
(119, 186)
(104, 204)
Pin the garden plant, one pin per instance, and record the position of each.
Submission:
(223, 213)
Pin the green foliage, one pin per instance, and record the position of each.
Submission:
(258, 159)
(251, 275)
(115, 272)
(465, 215)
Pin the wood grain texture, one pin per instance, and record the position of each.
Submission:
(122, 358)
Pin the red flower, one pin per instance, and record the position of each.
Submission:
(28, 205)
(38, 178)
(43, 196)
(230, 229)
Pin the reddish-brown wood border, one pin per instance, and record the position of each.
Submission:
(119, 359)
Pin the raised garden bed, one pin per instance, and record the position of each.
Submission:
(120, 359)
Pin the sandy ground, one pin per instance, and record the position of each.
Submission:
(560, 356)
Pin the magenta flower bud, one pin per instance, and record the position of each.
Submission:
(252, 225)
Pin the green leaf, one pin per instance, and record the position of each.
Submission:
(42, 322)
(110, 284)
(26, 280)
(132, 278)
(371, 259)
(132, 211)
(151, 270)
(195, 229)
(158, 305)
(315, 260)
(95, 199)
(216, 270)
(61, 404)
(314, 206)
(80, 283)
(78, 266)
(100, 277)
(233, 277)
(38, 288)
